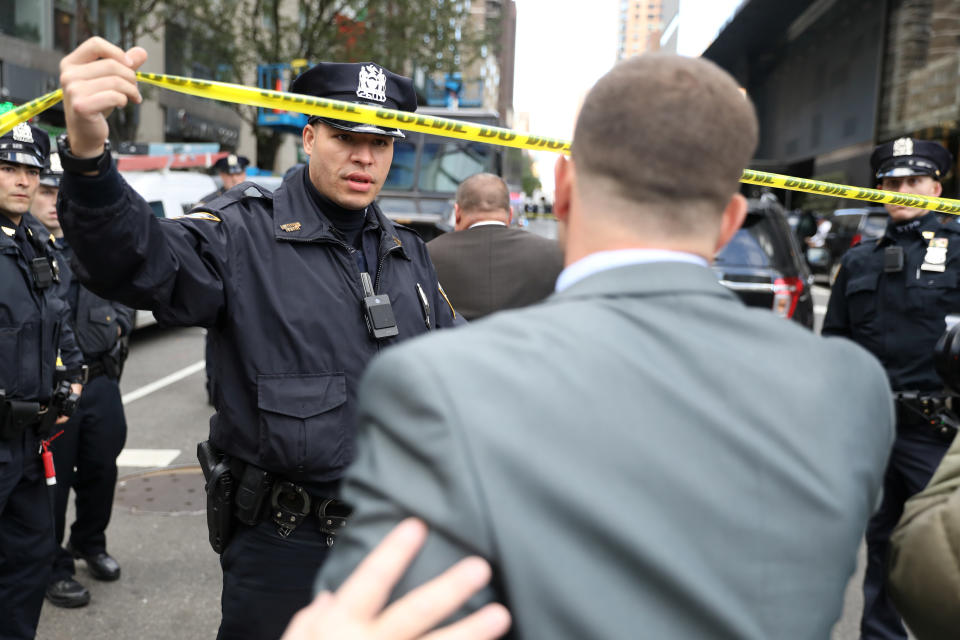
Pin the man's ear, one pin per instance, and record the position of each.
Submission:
(733, 216)
(562, 188)
(937, 188)
(309, 135)
(457, 216)
(510, 215)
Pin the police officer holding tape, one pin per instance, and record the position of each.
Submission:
(299, 289)
(86, 453)
(892, 297)
(39, 384)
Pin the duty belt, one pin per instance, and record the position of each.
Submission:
(289, 504)
(930, 409)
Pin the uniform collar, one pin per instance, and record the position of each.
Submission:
(298, 218)
(930, 221)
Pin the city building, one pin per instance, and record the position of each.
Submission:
(647, 25)
(833, 78)
(35, 34)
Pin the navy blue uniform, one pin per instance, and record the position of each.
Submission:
(86, 454)
(34, 329)
(280, 292)
(899, 316)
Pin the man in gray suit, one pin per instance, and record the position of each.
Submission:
(641, 455)
(485, 265)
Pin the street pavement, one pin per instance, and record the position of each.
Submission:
(170, 583)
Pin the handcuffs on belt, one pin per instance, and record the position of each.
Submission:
(290, 504)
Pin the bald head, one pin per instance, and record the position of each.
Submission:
(482, 196)
(661, 142)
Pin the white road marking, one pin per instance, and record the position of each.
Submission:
(147, 457)
(165, 381)
(820, 308)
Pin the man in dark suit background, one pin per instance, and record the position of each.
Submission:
(630, 455)
(485, 265)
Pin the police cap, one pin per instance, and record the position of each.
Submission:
(25, 144)
(232, 164)
(910, 157)
(360, 82)
(52, 171)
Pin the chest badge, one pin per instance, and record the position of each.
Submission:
(10, 232)
(290, 227)
(927, 234)
(936, 256)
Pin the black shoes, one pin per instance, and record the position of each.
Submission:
(68, 593)
(101, 565)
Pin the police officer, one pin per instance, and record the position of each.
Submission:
(298, 289)
(891, 297)
(232, 170)
(86, 453)
(34, 331)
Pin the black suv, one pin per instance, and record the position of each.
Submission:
(849, 227)
(764, 266)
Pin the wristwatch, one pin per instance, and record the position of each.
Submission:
(73, 164)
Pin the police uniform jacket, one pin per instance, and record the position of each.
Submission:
(281, 294)
(899, 315)
(94, 320)
(34, 323)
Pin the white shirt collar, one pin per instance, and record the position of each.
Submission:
(604, 260)
(487, 223)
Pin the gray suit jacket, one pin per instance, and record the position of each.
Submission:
(490, 268)
(640, 456)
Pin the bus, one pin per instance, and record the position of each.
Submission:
(420, 189)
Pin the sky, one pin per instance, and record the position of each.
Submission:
(561, 52)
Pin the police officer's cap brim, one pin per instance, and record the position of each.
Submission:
(50, 181)
(16, 157)
(905, 166)
(359, 127)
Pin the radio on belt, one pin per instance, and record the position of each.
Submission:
(381, 322)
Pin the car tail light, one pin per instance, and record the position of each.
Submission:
(855, 240)
(786, 293)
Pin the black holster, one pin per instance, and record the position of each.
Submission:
(220, 491)
(16, 416)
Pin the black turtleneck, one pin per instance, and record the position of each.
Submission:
(349, 222)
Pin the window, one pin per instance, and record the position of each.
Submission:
(446, 164)
(21, 19)
(402, 170)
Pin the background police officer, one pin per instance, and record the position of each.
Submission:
(86, 453)
(34, 329)
(891, 297)
(232, 170)
(298, 289)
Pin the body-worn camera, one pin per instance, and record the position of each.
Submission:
(381, 323)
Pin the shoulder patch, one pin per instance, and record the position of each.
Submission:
(202, 215)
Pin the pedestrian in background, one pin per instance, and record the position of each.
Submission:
(298, 290)
(891, 297)
(86, 454)
(35, 336)
(484, 264)
(629, 455)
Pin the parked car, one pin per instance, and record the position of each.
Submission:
(764, 266)
(849, 227)
(170, 194)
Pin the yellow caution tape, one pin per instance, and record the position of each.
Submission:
(450, 128)
(875, 196)
(353, 112)
(24, 112)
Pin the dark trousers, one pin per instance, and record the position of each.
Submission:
(267, 578)
(916, 454)
(86, 460)
(26, 536)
